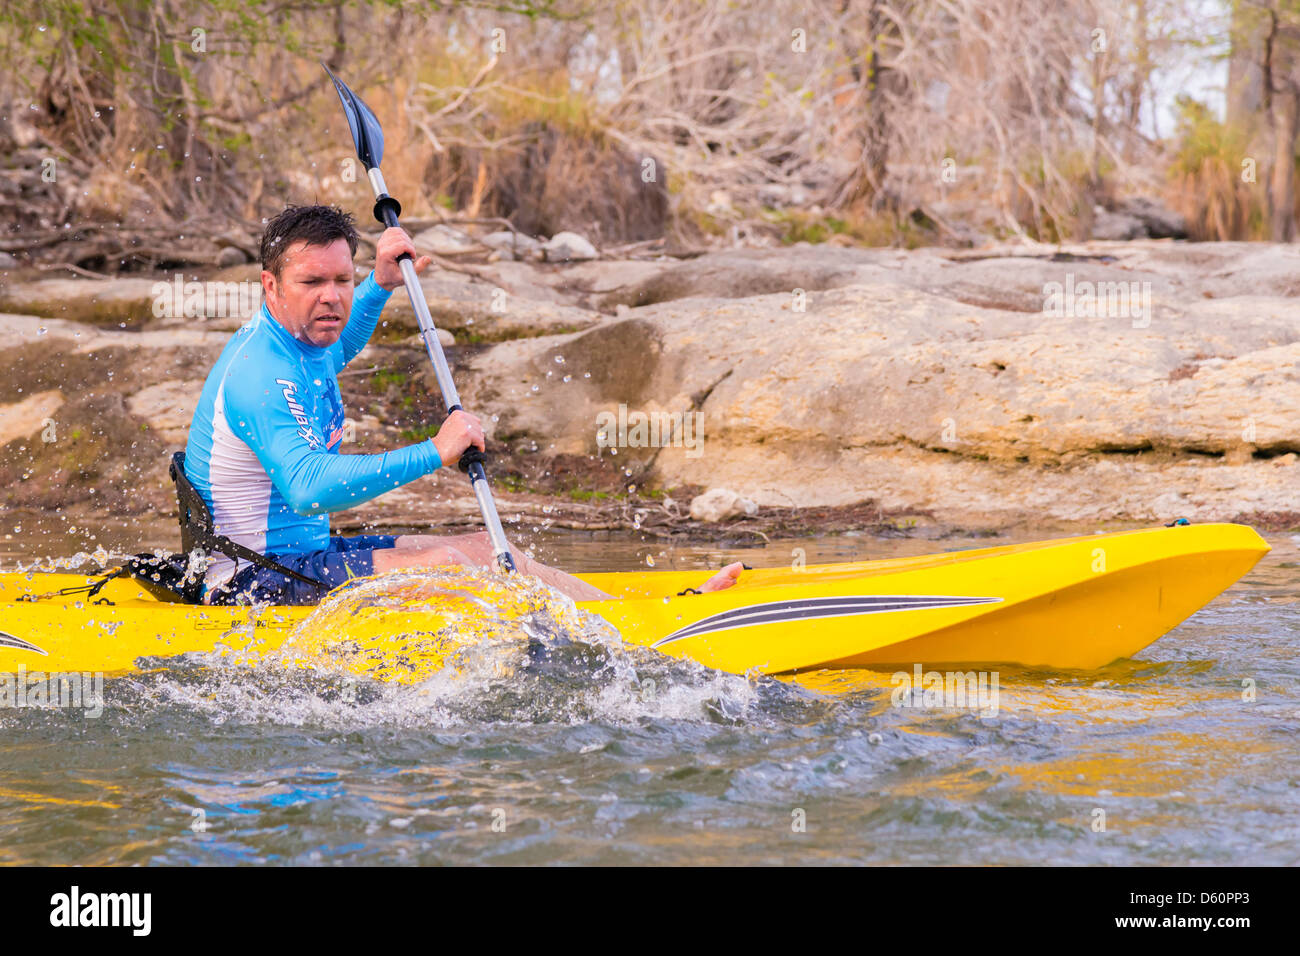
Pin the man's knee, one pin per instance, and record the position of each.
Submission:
(441, 554)
(478, 545)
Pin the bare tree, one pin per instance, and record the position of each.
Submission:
(1281, 90)
(1020, 115)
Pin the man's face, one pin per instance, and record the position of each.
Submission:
(313, 296)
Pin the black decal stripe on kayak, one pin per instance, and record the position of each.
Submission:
(17, 643)
(777, 616)
(805, 608)
(854, 602)
(823, 607)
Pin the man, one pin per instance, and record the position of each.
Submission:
(264, 444)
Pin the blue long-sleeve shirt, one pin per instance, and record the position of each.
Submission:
(264, 443)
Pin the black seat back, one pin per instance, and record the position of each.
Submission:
(198, 532)
(193, 510)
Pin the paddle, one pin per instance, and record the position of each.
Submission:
(368, 137)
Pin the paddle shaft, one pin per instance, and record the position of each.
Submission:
(471, 460)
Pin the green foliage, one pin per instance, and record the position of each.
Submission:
(584, 494)
(801, 226)
(1203, 139)
(798, 225)
(511, 483)
(706, 223)
(1207, 172)
(534, 100)
(421, 433)
(1049, 192)
(382, 379)
(237, 141)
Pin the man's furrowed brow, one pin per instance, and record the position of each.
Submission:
(343, 275)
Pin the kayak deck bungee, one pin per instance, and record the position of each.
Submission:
(1070, 603)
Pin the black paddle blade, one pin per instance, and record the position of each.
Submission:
(367, 134)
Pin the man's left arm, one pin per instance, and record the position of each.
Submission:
(367, 303)
(373, 293)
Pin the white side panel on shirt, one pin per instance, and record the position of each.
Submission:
(241, 492)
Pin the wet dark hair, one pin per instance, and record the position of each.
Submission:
(314, 225)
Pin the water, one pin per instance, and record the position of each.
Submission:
(566, 750)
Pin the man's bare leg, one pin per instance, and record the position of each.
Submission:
(476, 550)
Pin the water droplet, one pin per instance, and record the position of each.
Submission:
(650, 560)
(559, 360)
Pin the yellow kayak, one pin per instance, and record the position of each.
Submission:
(1070, 603)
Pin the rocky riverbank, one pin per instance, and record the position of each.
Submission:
(809, 388)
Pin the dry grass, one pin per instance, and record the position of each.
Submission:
(540, 158)
(1206, 178)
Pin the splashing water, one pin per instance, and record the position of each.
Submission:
(408, 626)
(450, 647)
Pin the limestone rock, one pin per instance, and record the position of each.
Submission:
(933, 380)
(29, 416)
(230, 256)
(168, 408)
(445, 337)
(512, 245)
(719, 504)
(476, 311)
(568, 247)
(443, 240)
(747, 272)
(1116, 225)
(603, 276)
(913, 398)
(127, 301)
(1158, 220)
(18, 330)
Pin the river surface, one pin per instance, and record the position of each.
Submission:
(562, 758)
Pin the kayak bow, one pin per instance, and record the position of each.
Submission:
(1070, 603)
